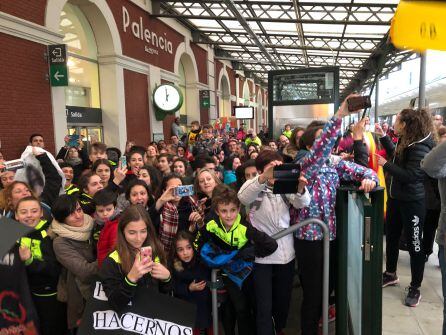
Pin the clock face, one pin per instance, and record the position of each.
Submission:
(167, 98)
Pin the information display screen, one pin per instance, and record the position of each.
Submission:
(243, 112)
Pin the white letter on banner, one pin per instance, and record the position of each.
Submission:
(99, 293)
(106, 320)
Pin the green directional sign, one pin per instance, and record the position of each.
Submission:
(205, 100)
(59, 75)
(57, 57)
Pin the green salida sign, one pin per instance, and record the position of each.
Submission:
(57, 56)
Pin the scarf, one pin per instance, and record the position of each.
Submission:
(73, 161)
(169, 225)
(74, 233)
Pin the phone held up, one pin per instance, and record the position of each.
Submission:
(357, 103)
(286, 178)
(146, 253)
(123, 161)
(183, 191)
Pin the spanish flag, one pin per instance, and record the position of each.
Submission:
(373, 164)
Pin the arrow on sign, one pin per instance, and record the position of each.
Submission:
(57, 52)
(57, 75)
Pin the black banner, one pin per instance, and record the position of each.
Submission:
(150, 313)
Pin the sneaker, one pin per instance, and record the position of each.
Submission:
(390, 280)
(413, 297)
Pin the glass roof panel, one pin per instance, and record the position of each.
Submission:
(310, 28)
(366, 29)
(341, 32)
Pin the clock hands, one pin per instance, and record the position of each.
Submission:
(167, 95)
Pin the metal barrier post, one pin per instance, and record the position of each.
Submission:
(214, 301)
(325, 277)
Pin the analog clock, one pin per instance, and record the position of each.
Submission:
(167, 98)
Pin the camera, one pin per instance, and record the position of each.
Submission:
(286, 178)
(183, 191)
(13, 165)
(356, 103)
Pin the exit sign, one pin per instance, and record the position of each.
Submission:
(57, 56)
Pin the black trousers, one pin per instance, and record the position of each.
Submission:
(310, 256)
(242, 306)
(52, 315)
(429, 229)
(410, 215)
(273, 284)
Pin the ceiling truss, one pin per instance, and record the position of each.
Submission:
(260, 36)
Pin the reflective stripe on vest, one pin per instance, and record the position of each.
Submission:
(71, 189)
(235, 237)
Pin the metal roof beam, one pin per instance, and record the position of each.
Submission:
(261, 19)
(281, 3)
(307, 36)
(245, 25)
(276, 46)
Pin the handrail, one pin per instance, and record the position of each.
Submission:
(325, 277)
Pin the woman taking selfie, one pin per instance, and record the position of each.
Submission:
(138, 261)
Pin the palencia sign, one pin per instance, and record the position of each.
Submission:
(150, 313)
(142, 32)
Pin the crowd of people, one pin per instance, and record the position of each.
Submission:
(119, 218)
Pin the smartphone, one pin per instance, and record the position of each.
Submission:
(183, 191)
(146, 252)
(286, 178)
(123, 161)
(357, 103)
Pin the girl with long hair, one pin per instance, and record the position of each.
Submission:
(406, 202)
(190, 275)
(130, 266)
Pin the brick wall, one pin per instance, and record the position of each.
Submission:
(137, 107)
(25, 95)
(201, 58)
(30, 10)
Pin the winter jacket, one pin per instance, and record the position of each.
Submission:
(242, 235)
(119, 289)
(78, 274)
(270, 213)
(42, 268)
(183, 275)
(324, 172)
(406, 176)
(107, 238)
(434, 163)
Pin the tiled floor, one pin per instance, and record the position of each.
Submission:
(427, 317)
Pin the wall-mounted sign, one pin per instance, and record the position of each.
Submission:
(57, 56)
(83, 115)
(142, 32)
(205, 99)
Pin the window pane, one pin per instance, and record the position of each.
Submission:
(83, 89)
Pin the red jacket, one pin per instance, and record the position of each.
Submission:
(107, 240)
